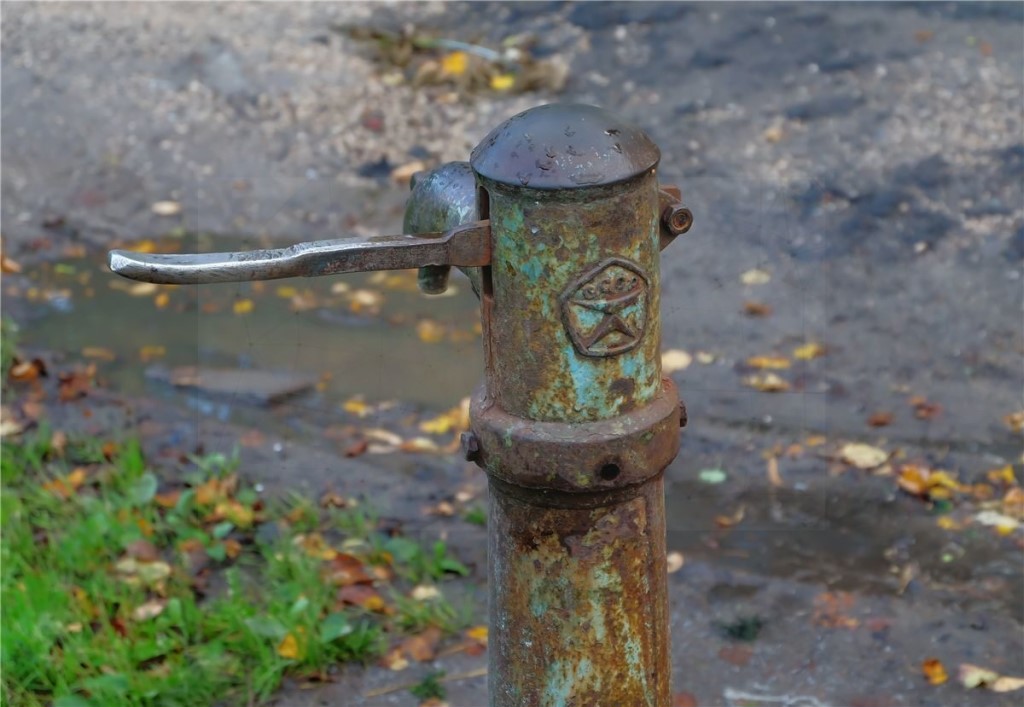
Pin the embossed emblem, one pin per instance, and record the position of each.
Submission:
(605, 309)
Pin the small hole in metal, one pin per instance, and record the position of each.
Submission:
(609, 471)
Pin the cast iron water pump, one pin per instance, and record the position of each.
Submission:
(558, 220)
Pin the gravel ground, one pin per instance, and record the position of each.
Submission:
(869, 157)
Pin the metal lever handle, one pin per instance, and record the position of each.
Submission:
(467, 245)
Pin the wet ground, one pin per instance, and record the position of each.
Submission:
(866, 158)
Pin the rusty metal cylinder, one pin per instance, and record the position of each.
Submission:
(574, 423)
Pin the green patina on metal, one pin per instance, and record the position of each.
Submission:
(574, 423)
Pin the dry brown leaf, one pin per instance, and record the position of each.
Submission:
(26, 371)
(880, 419)
(422, 646)
(314, 545)
(924, 409)
(344, 569)
(403, 173)
(830, 610)
(1013, 503)
(362, 595)
(757, 309)
(66, 486)
(395, 659)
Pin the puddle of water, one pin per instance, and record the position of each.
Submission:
(370, 334)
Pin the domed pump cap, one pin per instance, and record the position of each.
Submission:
(564, 146)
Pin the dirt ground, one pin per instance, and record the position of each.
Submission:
(869, 158)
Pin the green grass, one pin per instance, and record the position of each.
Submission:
(114, 593)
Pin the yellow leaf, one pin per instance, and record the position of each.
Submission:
(148, 353)
(503, 82)
(288, 648)
(477, 633)
(243, 306)
(442, 424)
(425, 592)
(357, 406)
(419, 444)
(948, 523)
(808, 351)
(675, 360)
(99, 353)
(146, 246)
(314, 545)
(429, 331)
(240, 515)
(1007, 684)
(935, 671)
(161, 300)
(862, 456)
(286, 292)
(454, 64)
(769, 362)
(815, 441)
(723, 521)
(1004, 475)
(767, 383)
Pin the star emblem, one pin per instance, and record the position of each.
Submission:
(605, 309)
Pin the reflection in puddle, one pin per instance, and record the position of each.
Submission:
(372, 334)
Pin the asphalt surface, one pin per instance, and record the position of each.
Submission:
(868, 157)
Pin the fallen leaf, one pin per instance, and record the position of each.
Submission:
(477, 633)
(923, 409)
(1007, 684)
(243, 306)
(99, 353)
(362, 595)
(454, 63)
(503, 82)
(815, 440)
(387, 437)
(166, 208)
(238, 513)
(768, 362)
(66, 486)
(422, 646)
(331, 499)
(9, 266)
(356, 449)
(232, 548)
(395, 659)
(923, 35)
(773, 133)
(162, 300)
(774, 478)
(675, 360)
(1004, 524)
(934, 671)
(151, 352)
(862, 456)
(880, 419)
(419, 444)
(9, 425)
(920, 481)
(425, 592)
(27, 371)
(767, 383)
(403, 173)
(429, 331)
(757, 309)
(830, 610)
(1003, 475)
(289, 648)
(344, 569)
(314, 545)
(724, 521)
(705, 358)
(142, 550)
(948, 523)
(1013, 503)
(755, 276)
(357, 406)
(809, 351)
(150, 610)
(971, 676)
(143, 289)
(1015, 421)
(674, 561)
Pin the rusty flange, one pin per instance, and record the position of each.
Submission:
(600, 455)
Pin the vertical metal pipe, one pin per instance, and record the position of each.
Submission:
(578, 598)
